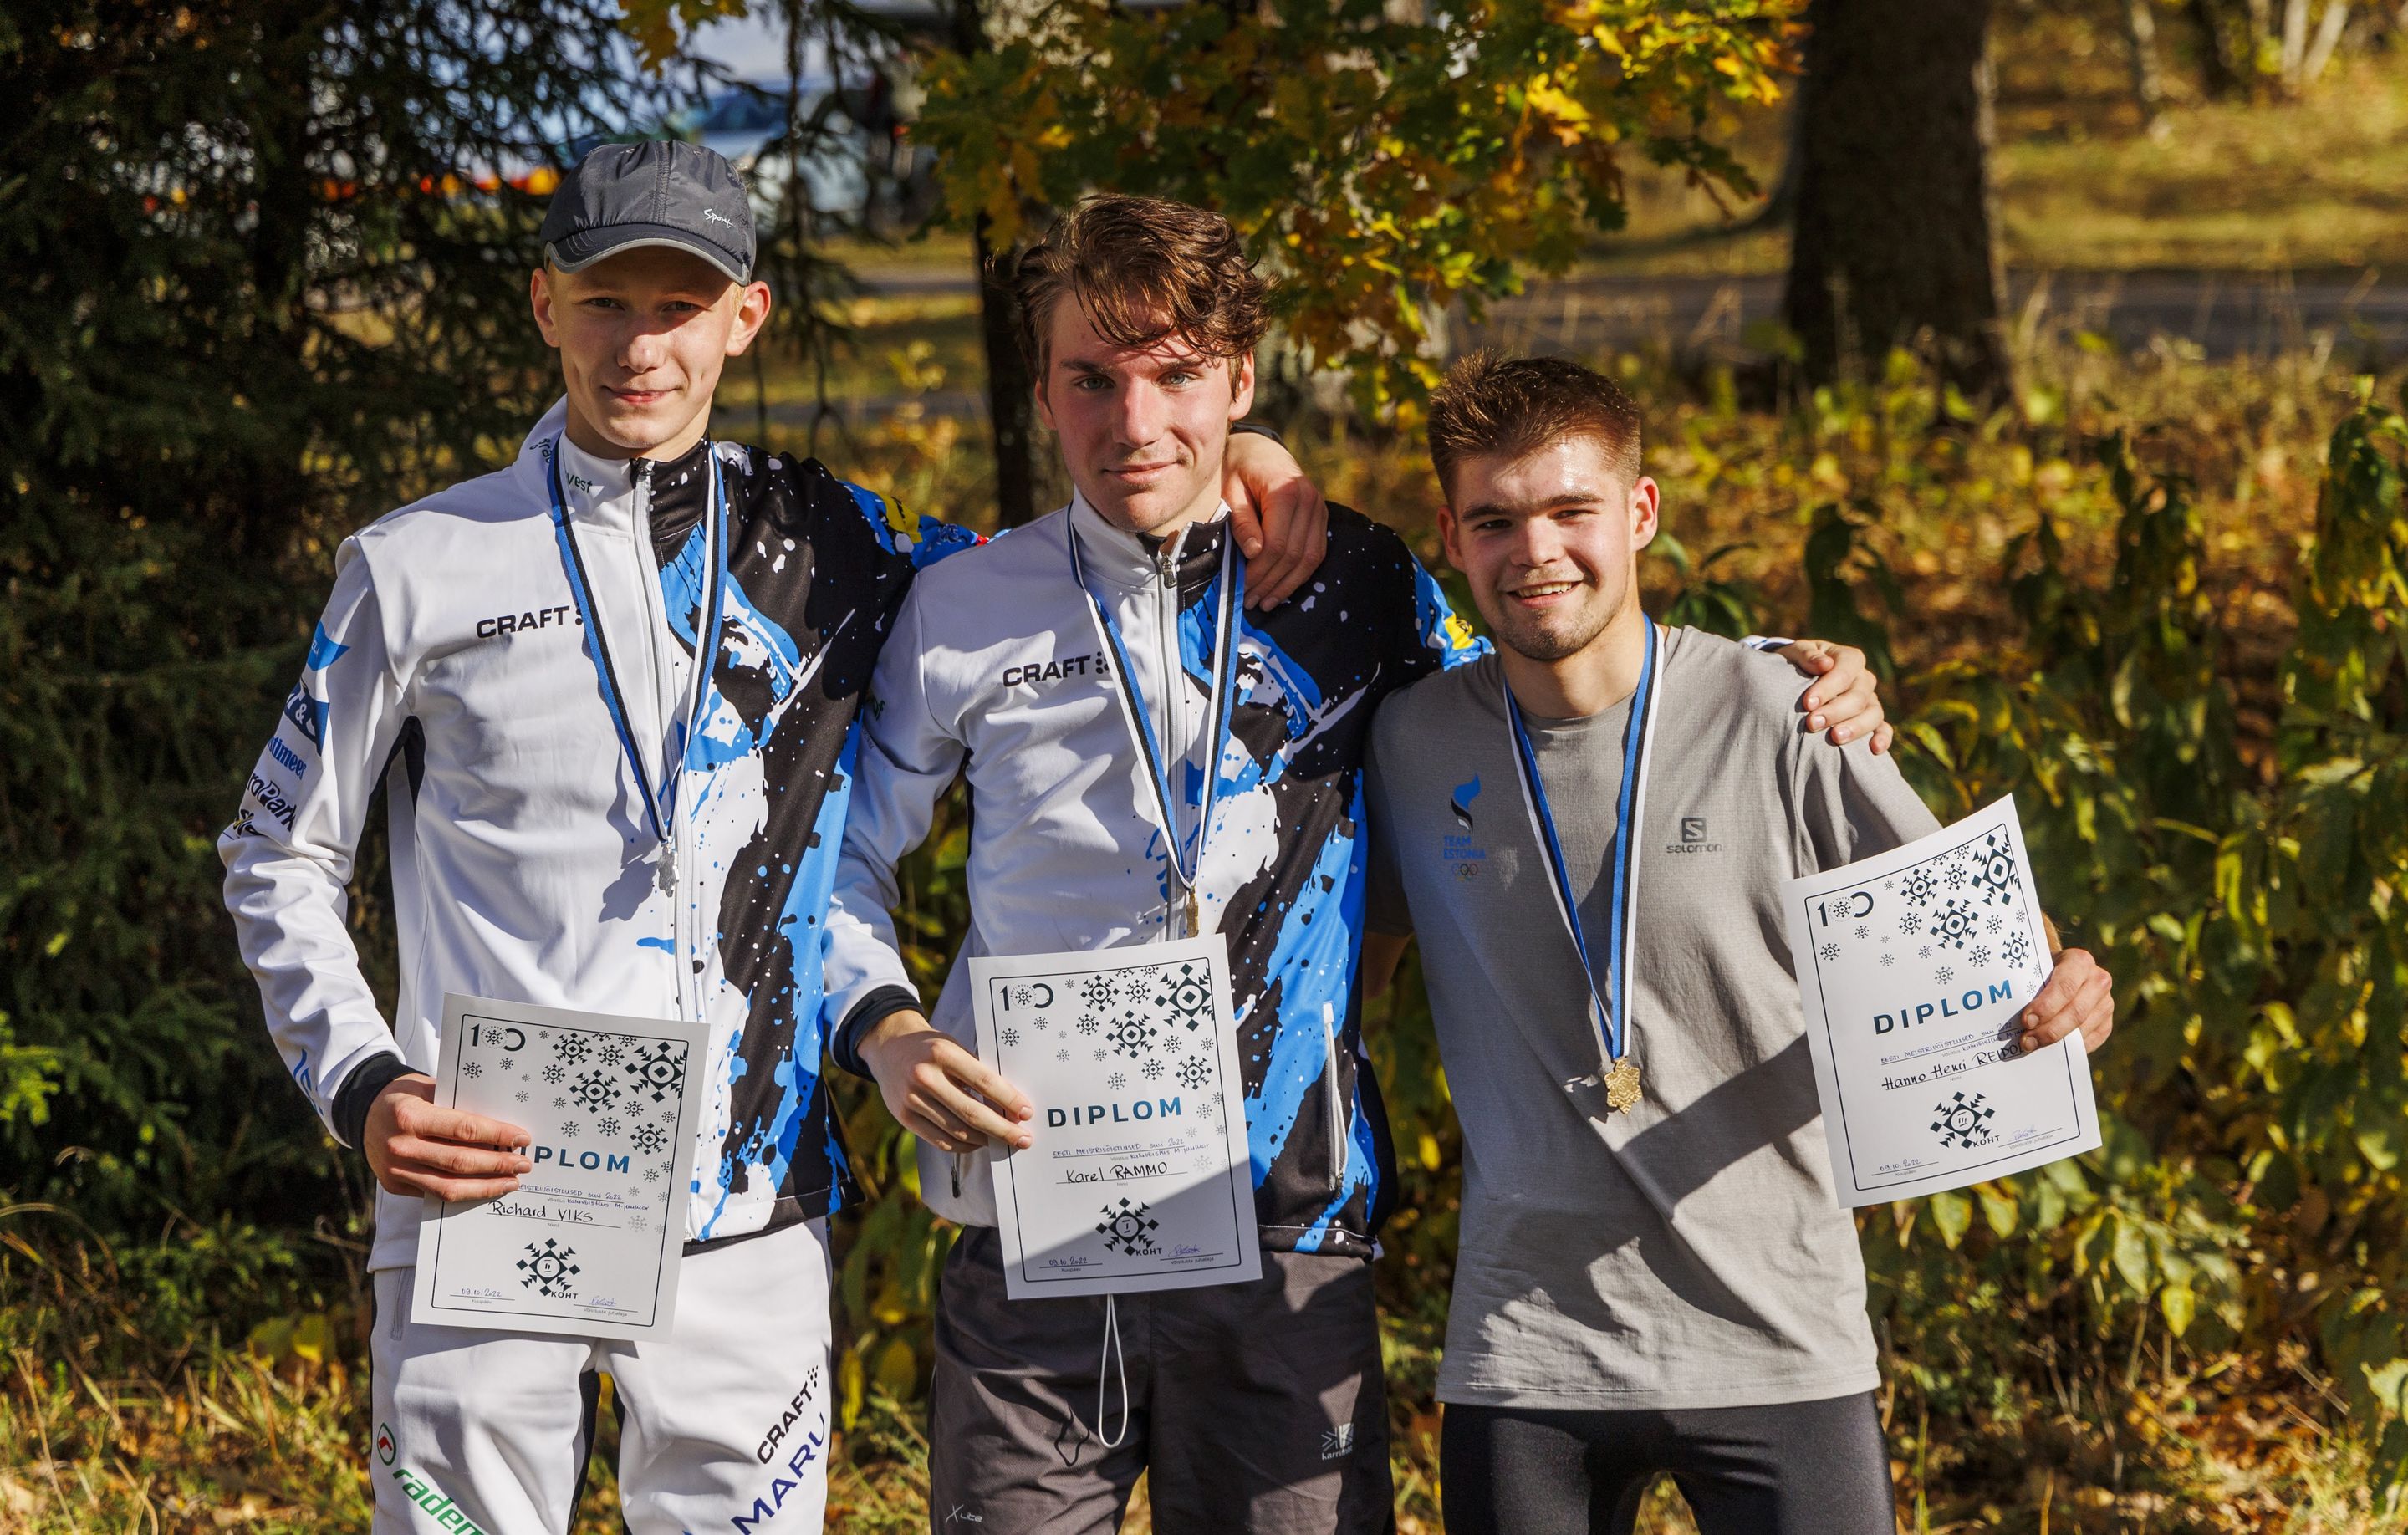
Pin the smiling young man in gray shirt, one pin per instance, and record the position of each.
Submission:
(1654, 1274)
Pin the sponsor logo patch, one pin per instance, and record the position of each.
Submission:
(502, 625)
(273, 800)
(1457, 850)
(435, 1504)
(1693, 837)
(287, 758)
(1031, 673)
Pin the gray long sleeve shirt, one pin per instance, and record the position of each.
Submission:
(1690, 1253)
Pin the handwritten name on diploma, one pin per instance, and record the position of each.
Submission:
(1139, 1176)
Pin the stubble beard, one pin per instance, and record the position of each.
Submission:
(1542, 641)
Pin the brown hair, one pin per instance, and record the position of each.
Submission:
(1511, 407)
(1143, 268)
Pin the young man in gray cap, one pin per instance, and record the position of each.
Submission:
(594, 808)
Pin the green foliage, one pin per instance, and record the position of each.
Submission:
(213, 217)
(2250, 1190)
(1386, 161)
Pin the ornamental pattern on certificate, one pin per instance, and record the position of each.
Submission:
(1139, 1177)
(1915, 968)
(589, 1243)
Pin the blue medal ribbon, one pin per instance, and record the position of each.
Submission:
(660, 805)
(1608, 1004)
(1186, 862)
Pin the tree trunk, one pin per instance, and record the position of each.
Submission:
(2328, 40)
(1010, 411)
(2218, 76)
(2295, 41)
(1010, 405)
(2141, 32)
(1894, 242)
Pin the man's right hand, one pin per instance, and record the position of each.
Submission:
(940, 1092)
(414, 1147)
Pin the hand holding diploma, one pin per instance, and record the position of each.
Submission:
(414, 1146)
(1949, 1046)
(2079, 996)
(940, 1092)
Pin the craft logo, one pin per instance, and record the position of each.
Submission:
(1129, 1229)
(797, 1411)
(505, 624)
(1693, 837)
(549, 1271)
(1031, 673)
(1458, 850)
(1964, 1121)
(386, 1447)
(1337, 1442)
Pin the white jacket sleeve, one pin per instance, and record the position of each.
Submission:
(287, 854)
(907, 760)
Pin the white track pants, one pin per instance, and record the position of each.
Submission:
(724, 1427)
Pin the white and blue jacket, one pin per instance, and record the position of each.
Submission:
(994, 671)
(453, 653)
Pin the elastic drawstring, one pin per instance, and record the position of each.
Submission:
(1112, 1347)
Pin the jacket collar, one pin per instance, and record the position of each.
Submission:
(1125, 560)
(601, 491)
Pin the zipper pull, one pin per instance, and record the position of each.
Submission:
(1168, 561)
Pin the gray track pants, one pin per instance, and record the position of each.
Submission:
(1255, 1407)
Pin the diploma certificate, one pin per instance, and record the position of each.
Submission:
(1916, 967)
(589, 1243)
(1140, 1178)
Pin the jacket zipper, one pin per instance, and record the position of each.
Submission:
(648, 584)
(1175, 745)
(1337, 1127)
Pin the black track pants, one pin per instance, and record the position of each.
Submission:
(1811, 1468)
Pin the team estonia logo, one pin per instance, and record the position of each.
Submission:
(1461, 804)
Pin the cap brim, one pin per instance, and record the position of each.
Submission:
(587, 246)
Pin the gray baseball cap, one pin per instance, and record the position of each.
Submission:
(655, 192)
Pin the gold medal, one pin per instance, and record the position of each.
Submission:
(1621, 1085)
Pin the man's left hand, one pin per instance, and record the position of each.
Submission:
(1279, 520)
(2079, 995)
(1844, 699)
